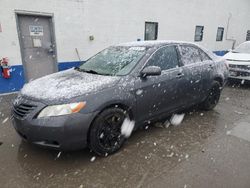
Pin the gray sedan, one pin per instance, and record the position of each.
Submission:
(141, 81)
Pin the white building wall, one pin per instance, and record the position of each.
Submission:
(68, 15)
(115, 21)
(124, 20)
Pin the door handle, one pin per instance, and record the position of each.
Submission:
(179, 75)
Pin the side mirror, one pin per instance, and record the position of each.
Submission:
(150, 71)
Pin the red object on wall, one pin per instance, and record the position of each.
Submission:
(5, 68)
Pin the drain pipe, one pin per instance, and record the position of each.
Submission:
(227, 38)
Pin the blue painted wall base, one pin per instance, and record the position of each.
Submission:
(220, 53)
(17, 80)
(15, 83)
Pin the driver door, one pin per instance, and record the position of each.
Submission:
(157, 94)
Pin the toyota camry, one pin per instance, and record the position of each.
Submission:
(141, 81)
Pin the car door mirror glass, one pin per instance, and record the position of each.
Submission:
(150, 71)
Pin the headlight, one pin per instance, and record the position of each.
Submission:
(59, 110)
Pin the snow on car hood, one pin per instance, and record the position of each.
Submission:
(67, 84)
(239, 58)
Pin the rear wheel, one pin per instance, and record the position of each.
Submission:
(105, 133)
(213, 96)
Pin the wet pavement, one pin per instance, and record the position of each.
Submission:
(209, 149)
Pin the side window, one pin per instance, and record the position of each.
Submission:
(248, 36)
(190, 55)
(204, 56)
(220, 33)
(165, 58)
(198, 36)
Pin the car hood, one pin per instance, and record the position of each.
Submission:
(67, 85)
(238, 58)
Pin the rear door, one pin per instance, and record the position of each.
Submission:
(192, 70)
(207, 72)
(158, 94)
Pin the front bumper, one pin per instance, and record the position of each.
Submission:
(239, 72)
(64, 133)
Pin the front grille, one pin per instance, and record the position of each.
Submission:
(242, 67)
(22, 110)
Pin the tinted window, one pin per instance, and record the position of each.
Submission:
(166, 58)
(189, 55)
(204, 56)
(151, 30)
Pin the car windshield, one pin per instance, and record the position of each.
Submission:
(116, 61)
(243, 48)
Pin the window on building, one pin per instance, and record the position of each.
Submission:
(248, 36)
(165, 58)
(190, 55)
(220, 33)
(151, 30)
(198, 33)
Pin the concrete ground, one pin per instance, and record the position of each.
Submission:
(209, 149)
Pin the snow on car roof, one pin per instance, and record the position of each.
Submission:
(165, 42)
(152, 43)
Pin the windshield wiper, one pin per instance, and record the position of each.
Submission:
(91, 71)
(88, 71)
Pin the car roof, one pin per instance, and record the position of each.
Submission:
(159, 43)
(155, 43)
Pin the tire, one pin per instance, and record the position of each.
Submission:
(213, 97)
(105, 133)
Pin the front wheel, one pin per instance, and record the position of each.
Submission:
(105, 133)
(213, 96)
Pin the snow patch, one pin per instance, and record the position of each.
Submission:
(139, 92)
(176, 119)
(127, 127)
(58, 155)
(93, 159)
(67, 84)
(5, 120)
